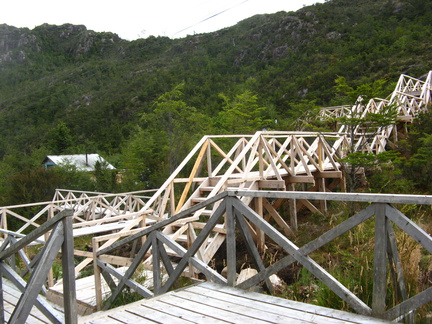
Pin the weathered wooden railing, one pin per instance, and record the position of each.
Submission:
(60, 238)
(237, 217)
(410, 98)
(95, 205)
(87, 207)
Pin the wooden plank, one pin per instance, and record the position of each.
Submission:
(178, 310)
(214, 303)
(223, 311)
(312, 309)
(287, 314)
(11, 297)
(300, 179)
(158, 317)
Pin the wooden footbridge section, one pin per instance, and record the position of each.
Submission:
(212, 303)
(239, 219)
(177, 229)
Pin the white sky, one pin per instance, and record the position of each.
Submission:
(132, 19)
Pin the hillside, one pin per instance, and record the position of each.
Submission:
(66, 89)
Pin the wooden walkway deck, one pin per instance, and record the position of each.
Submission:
(212, 303)
(11, 296)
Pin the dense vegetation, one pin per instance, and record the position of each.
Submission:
(143, 104)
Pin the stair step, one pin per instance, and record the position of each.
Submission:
(198, 199)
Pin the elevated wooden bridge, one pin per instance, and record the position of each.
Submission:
(294, 169)
(238, 218)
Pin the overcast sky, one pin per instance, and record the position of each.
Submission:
(132, 19)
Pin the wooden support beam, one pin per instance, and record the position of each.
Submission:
(300, 179)
(253, 251)
(203, 267)
(328, 174)
(310, 247)
(272, 184)
(195, 168)
(357, 304)
(129, 272)
(278, 218)
(194, 248)
(68, 268)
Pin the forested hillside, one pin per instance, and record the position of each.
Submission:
(142, 104)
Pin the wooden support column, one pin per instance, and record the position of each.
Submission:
(293, 209)
(68, 265)
(2, 319)
(157, 283)
(380, 262)
(321, 181)
(260, 233)
(50, 279)
(230, 243)
(261, 158)
(323, 203)
(97, 275)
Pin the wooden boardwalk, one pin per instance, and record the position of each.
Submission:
(11, 296)
(213, 303)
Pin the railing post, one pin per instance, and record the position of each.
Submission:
(380, 262)
(50, 279)
(1, 299)
(231, 242)
(68, 265)
(97, 275)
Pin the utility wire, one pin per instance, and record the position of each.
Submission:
(7, 100)
(210, 17)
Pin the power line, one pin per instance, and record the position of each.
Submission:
(210, 17)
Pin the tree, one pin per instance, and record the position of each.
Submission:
(361, 130)
(164, 137)
(105, 178)
(243, 114)
(60, 139)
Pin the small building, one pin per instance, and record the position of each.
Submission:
(83, 162)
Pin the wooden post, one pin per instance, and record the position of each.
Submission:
(50, 280)
(68, 265)
(231, 242)
(293, 210)
(380, 262)
(260, 233)
(2, 319)
(260, 157)
(192, 176)
(97, 275)
(156, 264)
